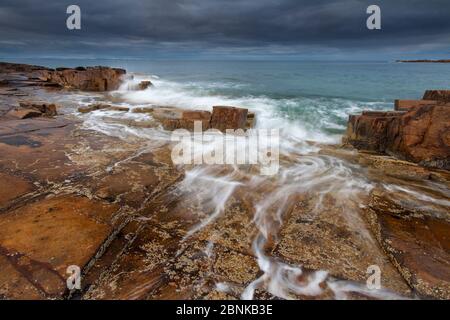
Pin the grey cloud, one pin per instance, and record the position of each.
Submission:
(137, 27)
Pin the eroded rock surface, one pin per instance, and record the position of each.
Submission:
(87, 79)
(416, 240)
(419, 134)
(439, 95)
(224, 118)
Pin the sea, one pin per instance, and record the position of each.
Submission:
(311, 98)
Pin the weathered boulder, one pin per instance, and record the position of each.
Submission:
(6, 67)
(144, 85)
(87, 79)
(368, 131)
(47, 109)
(190, 117)
(224, 118)
(251, 120)
(421, 135)
(173, 118)
(439, 95)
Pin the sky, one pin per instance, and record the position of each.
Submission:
(226, 29)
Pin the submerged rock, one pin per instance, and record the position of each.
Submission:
(93, 107)
(143, 110)
(118, 108)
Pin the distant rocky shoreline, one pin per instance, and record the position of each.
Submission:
(115, 207)
(424, 61)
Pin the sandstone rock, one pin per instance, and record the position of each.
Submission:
(87, 79)
(190, 117)
(224, 118)
(44, 238)
(93, 107)
(167, 113)
(12, 187)
(132, 122)
(187, 120)
(174, 118)
(439, 95)
(421, 135)
(47, 109)
(368, 131)
(144, 85)
(22, 113)
(415, 241)
(143, 110)
(406, 105)
(251, 120)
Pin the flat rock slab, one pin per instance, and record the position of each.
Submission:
(12, 187)
(416, 240)
(42, 239)
(28, 125)
(39, 151)
(328, 241)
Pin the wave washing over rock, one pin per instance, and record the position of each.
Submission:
(88, 180)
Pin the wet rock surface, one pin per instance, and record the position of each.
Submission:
(224, 118)
(140, 227)
(87, 79)
(419, 133)
(416, 240)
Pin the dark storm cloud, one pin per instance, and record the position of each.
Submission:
(239, 27)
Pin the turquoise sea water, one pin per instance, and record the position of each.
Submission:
(318, 96)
